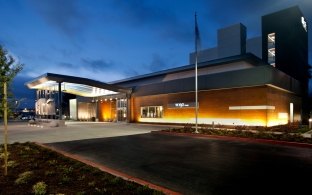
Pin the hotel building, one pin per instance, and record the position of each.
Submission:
(262, 81)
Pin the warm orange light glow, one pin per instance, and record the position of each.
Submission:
(86, 110)
(223, 121)
(252, 106)
(107, 110)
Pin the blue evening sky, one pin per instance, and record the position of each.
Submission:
(108, 40)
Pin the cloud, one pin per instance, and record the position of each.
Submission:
(67, 65)
(63, 15)
(130, 73)
(88, 68)
(97, 65)
(158, 63)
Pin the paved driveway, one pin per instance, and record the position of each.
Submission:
(21, 132)
(202, 165)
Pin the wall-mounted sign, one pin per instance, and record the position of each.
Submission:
(304, 24)
(182, 105)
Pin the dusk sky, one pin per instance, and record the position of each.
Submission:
(107, 40)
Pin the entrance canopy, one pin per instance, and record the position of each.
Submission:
(74, 85)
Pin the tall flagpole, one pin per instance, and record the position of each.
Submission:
(196, 80)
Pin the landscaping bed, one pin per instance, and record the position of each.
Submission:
(288, 133)
(36, 170)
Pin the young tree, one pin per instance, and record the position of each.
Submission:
(8, 70)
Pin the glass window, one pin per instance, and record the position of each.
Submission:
(122, 103)
(152, 112)
(271, 49)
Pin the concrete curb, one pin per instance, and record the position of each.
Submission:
(230, 138)
(112, 171)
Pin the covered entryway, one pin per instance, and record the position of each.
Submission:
(92, 100)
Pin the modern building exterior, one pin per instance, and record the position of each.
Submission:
(260, 81)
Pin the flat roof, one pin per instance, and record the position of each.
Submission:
(249, 57)
(250, 77)
(75, 85)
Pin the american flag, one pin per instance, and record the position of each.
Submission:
(197, 35)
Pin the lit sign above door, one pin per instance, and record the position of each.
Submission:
(304, 24)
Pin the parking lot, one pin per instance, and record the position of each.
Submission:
(189, 165)
(194, 165)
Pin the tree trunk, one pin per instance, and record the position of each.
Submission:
(5, 105)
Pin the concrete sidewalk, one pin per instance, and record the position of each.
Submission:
(22, 132)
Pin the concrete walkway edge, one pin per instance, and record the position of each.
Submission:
(245, 139)
(112, 171)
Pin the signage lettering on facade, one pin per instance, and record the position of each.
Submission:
(182, 105)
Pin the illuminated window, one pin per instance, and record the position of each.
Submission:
(304, 24)
(271, 49)
(152, 112)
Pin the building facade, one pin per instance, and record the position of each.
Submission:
(260, 82)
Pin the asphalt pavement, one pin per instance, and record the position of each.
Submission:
(194, 165)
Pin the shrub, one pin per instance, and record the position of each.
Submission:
(40, 188)
(303, 129)
(143, 189)
(24, 178)
(187, 128)
(86, 169)
(35, 165)
(52, 162)
(49, 173)
(77, 165)
(91, 184)
(11, 164)
(101, 190)
(82, 177)
(67, 170)
(65, 180)
(157, 193)
(2, 155)
(27, 148)
(289, 132)
(116, 180)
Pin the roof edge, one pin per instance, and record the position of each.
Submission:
(247, 56)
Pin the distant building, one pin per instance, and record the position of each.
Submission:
(261, 81)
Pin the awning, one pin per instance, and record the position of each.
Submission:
(75, 85)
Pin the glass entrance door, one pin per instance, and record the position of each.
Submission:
(122, 110)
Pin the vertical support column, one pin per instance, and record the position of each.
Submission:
(97, 110)
(291, 112)
(128, 96)
(116, 110)
(60, 100)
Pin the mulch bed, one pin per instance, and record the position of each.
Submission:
(62, 175)
(243, 133)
